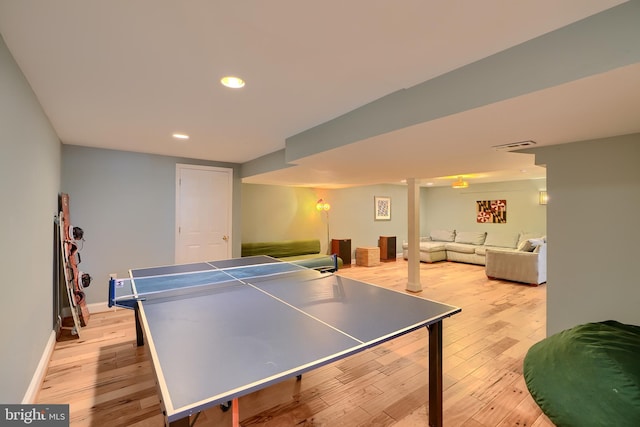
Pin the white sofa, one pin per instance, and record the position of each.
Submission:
(486, 248)
(518, 266)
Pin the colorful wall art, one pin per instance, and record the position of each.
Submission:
(491, 211)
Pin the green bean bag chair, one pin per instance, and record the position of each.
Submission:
(588, 375)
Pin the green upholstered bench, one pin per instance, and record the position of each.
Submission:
(588, 375)
(303, 252)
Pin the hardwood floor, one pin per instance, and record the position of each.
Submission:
(108, 381)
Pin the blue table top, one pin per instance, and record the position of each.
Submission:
(211, 344)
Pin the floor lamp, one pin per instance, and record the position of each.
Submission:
(321, 205)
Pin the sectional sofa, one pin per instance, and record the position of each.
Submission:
(519, 257)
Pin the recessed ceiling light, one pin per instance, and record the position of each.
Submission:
(180, 136)
(232, 82)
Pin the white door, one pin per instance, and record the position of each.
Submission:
(203, 213)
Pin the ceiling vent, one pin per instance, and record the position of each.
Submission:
(514, 146)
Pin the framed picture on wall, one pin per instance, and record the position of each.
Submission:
(382, 208)
(492, 211)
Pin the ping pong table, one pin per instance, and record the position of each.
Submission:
(222, 329)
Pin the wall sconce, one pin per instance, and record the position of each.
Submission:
(543, 198)
(460, 183)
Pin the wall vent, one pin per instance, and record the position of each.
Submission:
(514, 146)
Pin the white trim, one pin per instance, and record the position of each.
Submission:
(165, 400)
(41, 371)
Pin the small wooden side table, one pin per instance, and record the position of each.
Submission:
(368, 257)
(387, 245)
(342, 248)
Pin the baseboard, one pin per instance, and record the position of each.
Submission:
(398, 257)
(41, 371)
(99, 307)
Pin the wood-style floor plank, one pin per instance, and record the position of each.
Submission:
(107, 380)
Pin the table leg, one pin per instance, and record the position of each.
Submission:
(182, 422)
(435, 374)
(235, 413)
(139, 334)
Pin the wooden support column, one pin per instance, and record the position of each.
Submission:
(413, 197)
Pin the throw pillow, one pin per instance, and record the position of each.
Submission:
(526, 246)
(536, 242)
(526, 235)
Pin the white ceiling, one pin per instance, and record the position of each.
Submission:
(127, 74)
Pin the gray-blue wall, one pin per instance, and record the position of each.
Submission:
(125, 203)
(271, 212)
(594, 201)
(455, 209)
(29, 184)
(276, 213)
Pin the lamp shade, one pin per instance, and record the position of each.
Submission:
(321, 205)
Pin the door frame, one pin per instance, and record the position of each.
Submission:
(229, 172)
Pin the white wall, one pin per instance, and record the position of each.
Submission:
(593, 211)
(29, 184)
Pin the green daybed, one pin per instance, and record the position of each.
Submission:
(303, 252)
(588, 375)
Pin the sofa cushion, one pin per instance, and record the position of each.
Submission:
(443, 235)
(471, 237)
(482, 249)
(428, 246)
(502, 239)
(432, 246)
(463, 248)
